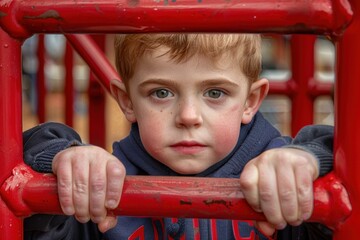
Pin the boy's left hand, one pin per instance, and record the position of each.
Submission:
(279, 183)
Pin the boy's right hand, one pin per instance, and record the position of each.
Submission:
(90, 181)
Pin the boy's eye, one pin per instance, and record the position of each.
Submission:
(214, 93)
(162, 93)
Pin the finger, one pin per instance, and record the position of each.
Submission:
(249, 186)
(81, 190)
(287, 193)
(116, 175)
(265, 228)
(97, 190)
(108, 223)
(62, 169)
(269, 200)
(304, 192)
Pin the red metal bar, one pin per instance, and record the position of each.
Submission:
(173, 197)
(69, 85)
(302, 66)
(347, 130)
(40, 77)
(94, 57)
(322, 17)
(97, 103)
(318, 16)
(316, 88)
(10, 126)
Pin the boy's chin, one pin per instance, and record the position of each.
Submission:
(188, 170)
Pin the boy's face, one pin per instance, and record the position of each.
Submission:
(189, 113)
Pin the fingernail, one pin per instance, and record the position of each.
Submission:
(306, 216)
(111, 204)
(280, 226)
(68, 211)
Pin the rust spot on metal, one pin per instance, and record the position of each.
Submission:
(220, 202)
(46, 15)
(184, 202)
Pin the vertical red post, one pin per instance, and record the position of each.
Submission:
(302, 66)
(69, 85)
(347, 114)
(10, 126)
(41, 90)
(97, 104)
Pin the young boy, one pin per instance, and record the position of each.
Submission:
(193, 102)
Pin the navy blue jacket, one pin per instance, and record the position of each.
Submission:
(255, 138)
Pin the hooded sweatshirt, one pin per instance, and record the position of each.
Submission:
(256, 137)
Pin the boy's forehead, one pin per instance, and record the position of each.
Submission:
(158, 64)
(223, 59)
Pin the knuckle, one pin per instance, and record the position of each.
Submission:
(80, 188)
(246, 183)
(97, 186)
(116, 169)
(303, 190)
(287, 195)
(64, 186)
(266, 195)
(263, 160)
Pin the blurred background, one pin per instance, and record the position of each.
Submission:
(276, 52)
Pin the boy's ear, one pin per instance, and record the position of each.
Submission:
(258, 91)
(118, 91)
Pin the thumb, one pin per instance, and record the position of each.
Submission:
(108, 223)
(265, 228)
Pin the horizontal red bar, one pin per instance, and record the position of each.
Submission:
(289, 87)
(27, 192)
(67, 16)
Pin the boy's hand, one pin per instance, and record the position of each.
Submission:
(279, 183)
(90, 181)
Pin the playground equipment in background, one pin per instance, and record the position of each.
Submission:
(24, 192)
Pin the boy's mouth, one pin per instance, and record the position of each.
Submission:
(188, 147)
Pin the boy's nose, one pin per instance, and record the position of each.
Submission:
(188, 115)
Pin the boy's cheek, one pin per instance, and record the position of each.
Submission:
(226, 139)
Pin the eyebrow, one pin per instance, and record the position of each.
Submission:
(206, 82)
(219, 81)
(158, 81)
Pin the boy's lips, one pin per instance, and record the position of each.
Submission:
(188, 147)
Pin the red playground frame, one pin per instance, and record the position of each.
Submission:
(24, 192)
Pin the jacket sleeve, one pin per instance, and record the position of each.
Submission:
(43, 142)
(318, 140)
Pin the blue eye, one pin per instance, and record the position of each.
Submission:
(162, 93)
(214, 93)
